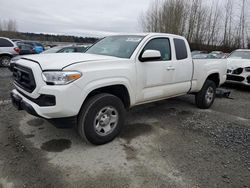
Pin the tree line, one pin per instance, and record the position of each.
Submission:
(207, 25)
(47, 37)
(8, 28)
(8, 25)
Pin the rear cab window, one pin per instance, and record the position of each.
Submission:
(180, 49)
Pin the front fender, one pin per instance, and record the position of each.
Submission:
(96, 84)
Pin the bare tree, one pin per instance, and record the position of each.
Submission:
(12, 25)
(200, 22)
(8, 25)
(228, 23)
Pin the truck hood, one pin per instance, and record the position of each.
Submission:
(58, 61)
(237, 63)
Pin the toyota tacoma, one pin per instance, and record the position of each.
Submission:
(118, 72)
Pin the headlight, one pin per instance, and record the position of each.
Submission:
(60, 77)
(247, 69)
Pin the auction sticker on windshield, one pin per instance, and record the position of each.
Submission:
(136, 39)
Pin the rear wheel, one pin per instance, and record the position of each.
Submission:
(5, 61)
(101, 119)
(205, 98)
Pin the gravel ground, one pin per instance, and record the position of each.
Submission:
(164, 144)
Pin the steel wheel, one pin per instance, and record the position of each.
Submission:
(101, 118)
(209, 95)
(106, 120)
(205, 97)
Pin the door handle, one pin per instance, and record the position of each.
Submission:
(170, 68)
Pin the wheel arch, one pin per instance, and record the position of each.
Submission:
(215, 77)
(118, 90)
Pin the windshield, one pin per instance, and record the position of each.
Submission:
(52, 50)
(240, 55)
(117, 46)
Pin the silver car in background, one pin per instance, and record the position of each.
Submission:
(8, 49)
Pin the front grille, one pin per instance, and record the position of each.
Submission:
(235, 78)
(238, 71)
(235, 71)
(24, 78)
(248, 79)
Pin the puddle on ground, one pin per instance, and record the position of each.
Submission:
(56, 145)
(130, 151)
(185, 112)
(29, 135)
(176, 112)
(131, 131)
(35, 122)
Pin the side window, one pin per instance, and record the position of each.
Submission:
(162, 45)
(5, 43)
(180, 49)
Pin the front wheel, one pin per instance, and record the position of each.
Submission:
(205, 98)
(5, 61)
(101, 119)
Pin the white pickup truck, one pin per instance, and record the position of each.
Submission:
(117, 73)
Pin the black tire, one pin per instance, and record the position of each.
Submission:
(5, 61)
(202, 99)
(87, 118)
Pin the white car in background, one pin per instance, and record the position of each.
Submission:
(238, 68)
(8, 50)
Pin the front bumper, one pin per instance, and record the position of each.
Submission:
(68, 101)
(47, 101)
(20, 104)
(243, 79)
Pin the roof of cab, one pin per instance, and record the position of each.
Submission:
(148, 34)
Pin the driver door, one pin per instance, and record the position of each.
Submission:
(154, 76)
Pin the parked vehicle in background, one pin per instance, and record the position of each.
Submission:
(205, 55)
(49, 46)
(8, 49)
(197, 52)
(67, 49)
(225, 55)
(216, 52)
(16, 40)
(37, 47)
(25, 49)
(118, 72)
(238, 70)
(200, 56)
(216, 55)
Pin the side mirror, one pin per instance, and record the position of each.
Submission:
(150, 55)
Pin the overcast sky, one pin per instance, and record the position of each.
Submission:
(78, 17)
